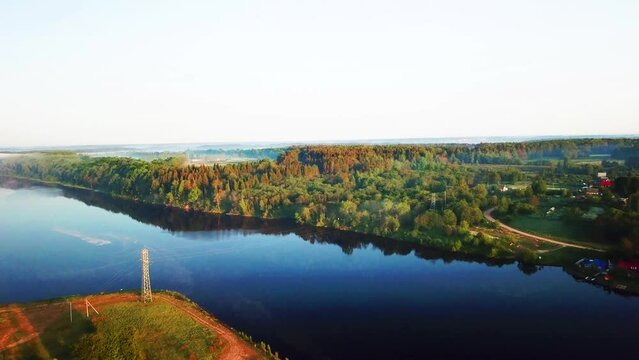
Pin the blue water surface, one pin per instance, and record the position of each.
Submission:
(308, 296)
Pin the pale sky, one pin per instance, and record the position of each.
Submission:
(122, 72)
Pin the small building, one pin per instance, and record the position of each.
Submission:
(632, 265)
(602, 175)
(592, 192)
(503, 188)
(605, 183)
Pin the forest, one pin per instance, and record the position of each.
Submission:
(429, 194)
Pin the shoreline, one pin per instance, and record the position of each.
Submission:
(283, 220)
(473, 254)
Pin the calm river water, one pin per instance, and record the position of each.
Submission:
(309, 293)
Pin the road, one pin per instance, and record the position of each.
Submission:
(234, 349)
(488, 215)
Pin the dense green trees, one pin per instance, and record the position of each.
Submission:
(383, 190)
(539, 186)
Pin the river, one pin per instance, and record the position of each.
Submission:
(309, 293)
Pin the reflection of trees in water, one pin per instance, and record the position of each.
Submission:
(178, 220)
(190, 222)
(528, 269)
(185, 222)
(350, 241)
(175, 219)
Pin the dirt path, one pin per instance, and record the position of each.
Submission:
(488, 215)
(23, 324)
(21, 341)
(235, 348)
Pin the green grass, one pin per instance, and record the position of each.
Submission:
(138, 331)
(552, 227)
(127, 330)
(59, 338)
(565, 256)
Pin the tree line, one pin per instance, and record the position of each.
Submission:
(421, 193)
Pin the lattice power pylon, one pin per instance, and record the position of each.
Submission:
(433, 201)
(146, 279)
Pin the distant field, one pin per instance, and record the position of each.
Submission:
(124, 329)
(526, 168)
(519, 185)
(594, 159)
(553, 227)
(599, 156)
(218, 160)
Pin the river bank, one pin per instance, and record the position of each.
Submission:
(470, 243)
(378, 298)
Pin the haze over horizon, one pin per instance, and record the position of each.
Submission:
(234, 145)
(122, 72)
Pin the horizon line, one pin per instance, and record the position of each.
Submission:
(361, 141)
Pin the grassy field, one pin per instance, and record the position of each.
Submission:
(552, 227)
(57, 341)
(122, 330)
(138, 331)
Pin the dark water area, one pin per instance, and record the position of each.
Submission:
(309, 293)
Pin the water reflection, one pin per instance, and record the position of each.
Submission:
(190, 224)
(194, 225)
(307, 301)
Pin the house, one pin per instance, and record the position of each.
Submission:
(602, 175)
(592, 192)
(605, 183)
(503, 188)
(632, 265)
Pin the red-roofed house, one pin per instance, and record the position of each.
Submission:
(605, 183)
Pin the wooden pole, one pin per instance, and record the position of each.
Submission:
(91, 305)
(86, 303)
(70, 311)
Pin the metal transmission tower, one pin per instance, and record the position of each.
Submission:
(433, 201)
(146, 279)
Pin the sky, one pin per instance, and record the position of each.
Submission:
(139, 72)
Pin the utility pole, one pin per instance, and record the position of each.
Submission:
(70, 311)
(87, 304)
(146, 279)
